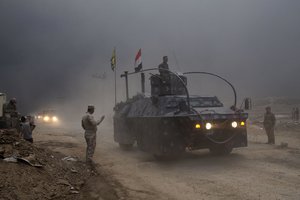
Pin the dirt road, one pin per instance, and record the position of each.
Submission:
(259, 171)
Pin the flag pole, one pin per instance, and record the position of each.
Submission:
(115, 84)
(113, 63)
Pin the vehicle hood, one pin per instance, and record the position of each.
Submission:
(216, 113)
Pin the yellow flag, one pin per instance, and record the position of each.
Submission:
(113, 60)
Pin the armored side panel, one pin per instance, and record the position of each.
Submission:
(122, 133)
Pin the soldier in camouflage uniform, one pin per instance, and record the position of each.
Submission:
(89, 124)
(269, 125)
(162, 66)
(10, 112)
(11, 107)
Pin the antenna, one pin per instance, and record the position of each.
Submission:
(176, 61)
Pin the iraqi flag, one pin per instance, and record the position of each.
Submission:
(113, 61)
(138, 61)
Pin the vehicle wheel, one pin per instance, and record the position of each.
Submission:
(171, 151)
(220, 150)
(139, 142)
(126, 147)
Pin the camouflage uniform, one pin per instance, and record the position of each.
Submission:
(10, 107)
(162, 66)
(269, 124)
(89, 124)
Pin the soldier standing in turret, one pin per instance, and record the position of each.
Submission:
(162, 66)
(269, 125)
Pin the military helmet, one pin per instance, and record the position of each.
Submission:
(13, 100)
(91, 107)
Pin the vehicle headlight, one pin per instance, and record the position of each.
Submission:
(242, 123)
(234, 124)
(208, 126)
(54, 118)
(197, 126)
(46, 118)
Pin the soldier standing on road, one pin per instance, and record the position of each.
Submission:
(89, 124)
(269, 125)
(293, 114)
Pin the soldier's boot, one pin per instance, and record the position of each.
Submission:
(92, 166)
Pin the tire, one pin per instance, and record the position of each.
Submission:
(170, 152)
(139, 142)
(126, 147)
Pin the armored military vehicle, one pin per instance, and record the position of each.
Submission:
(48, 116)
(170, 120)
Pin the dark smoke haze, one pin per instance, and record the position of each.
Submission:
(50, 51)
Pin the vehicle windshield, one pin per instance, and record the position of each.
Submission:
(197, 102)
(205, 102)
(48, 112)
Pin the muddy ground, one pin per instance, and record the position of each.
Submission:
(34, 171)
(260, 171)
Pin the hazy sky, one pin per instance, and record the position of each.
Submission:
(49, 50)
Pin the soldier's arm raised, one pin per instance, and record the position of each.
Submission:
(102, 118)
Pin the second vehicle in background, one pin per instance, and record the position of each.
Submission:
(47, 116)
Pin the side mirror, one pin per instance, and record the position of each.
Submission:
(248, 103)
